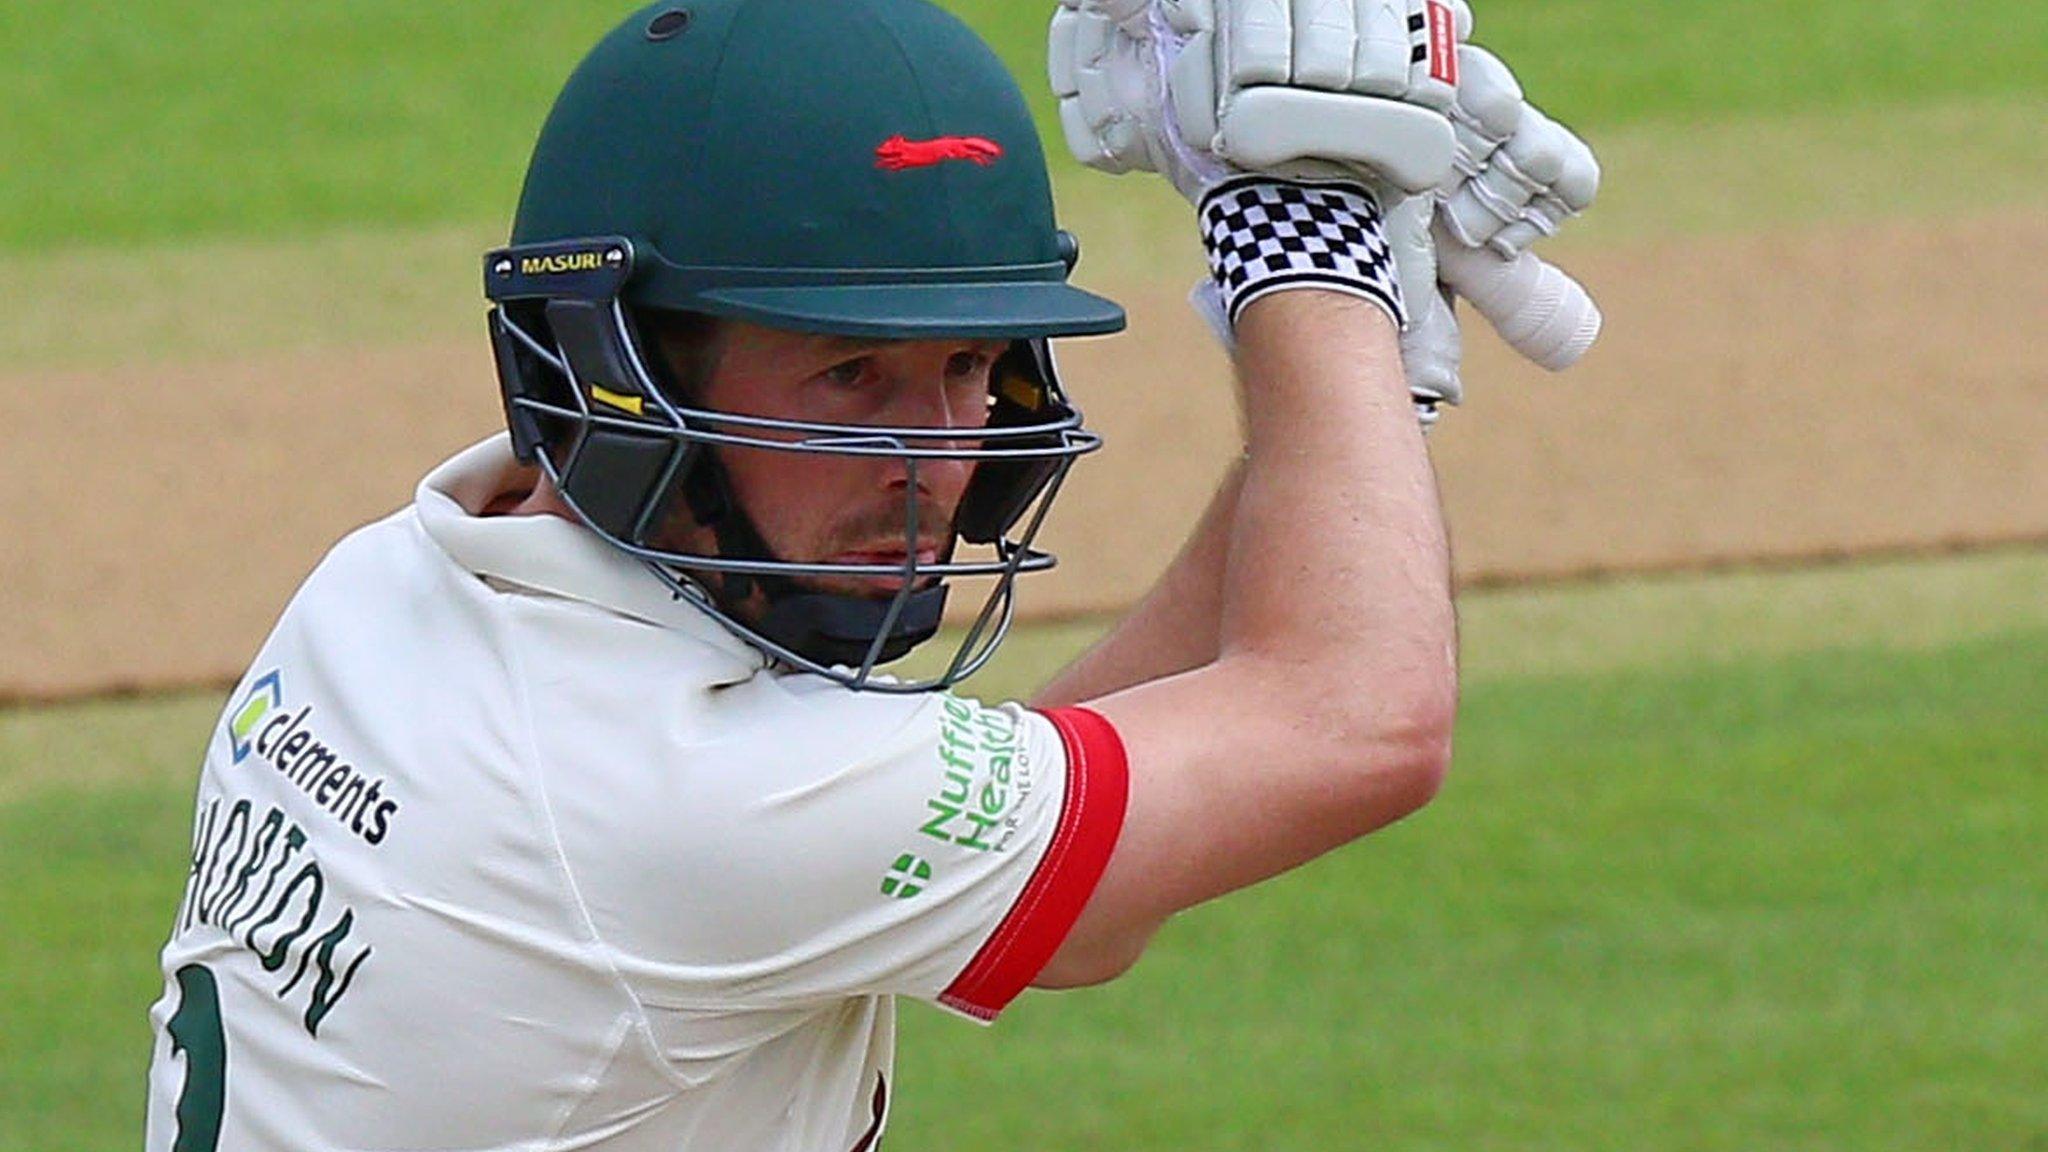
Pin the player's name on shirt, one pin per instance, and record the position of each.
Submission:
(255, 879)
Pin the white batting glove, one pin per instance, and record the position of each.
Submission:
(1108, 61)
(1431, 344)
(1304, 89)
(1291, 87)
(1521, 176)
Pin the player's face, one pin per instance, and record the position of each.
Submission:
(843, 509)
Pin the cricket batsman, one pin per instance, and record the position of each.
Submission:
(574, 806)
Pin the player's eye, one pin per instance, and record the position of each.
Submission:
(966, 364)
(850, 372)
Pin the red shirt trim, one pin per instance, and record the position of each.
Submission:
(1098, 784)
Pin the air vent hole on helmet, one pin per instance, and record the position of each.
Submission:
(669, 24)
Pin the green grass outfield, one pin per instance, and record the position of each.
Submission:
(268, 119)
(1729, 862)
(218, 180)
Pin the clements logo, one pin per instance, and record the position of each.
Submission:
(265, 696)
(263, 726)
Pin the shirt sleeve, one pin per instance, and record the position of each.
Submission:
(808, 845)
(1091, 815)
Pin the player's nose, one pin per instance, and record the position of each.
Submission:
(937, 475)
(932, 396)
(940, 477)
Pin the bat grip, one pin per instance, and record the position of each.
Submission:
(1540, 311)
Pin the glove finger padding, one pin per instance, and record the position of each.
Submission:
(1565, 178)
(1488, 108)
(1522, 176)
(1524, 173)
(1133, 16)
(1107, 62)
(1325, 42)
(1398, 49)
(1098, 74)
(1361, 84)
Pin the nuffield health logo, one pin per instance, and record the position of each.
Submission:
(265, 696)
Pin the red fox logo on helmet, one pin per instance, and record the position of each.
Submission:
(897, 153)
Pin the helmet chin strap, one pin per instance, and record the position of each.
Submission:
(826, 627)
(834, 629)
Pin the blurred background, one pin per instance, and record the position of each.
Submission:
(1743, 842)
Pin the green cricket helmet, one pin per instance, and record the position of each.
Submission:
(860, 167)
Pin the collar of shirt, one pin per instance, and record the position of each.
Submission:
(552, 555)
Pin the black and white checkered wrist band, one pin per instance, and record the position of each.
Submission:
(1265, 235)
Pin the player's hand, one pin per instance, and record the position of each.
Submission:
(1292, 87)
(1108, 61)
(1521, 177)
(1310, 89)
(1431, 345)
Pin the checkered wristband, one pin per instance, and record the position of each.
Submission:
(1266, 235)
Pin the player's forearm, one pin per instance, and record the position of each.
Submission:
(1373, 611)
(1174, 628)
(1327, 711)
(1338, 575)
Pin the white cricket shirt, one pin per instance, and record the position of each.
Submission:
(500, 846)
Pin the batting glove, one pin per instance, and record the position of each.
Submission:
(1200, 90)
(1430, 340)
(1521, 177)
